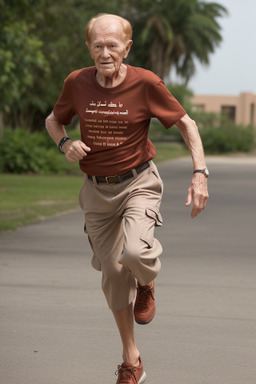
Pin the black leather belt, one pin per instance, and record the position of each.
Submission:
(119, 179)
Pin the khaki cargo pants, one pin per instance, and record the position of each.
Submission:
(120, 220)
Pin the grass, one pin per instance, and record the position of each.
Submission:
(25, 199)
(167, 151)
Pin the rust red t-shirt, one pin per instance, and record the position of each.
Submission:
(114, 122)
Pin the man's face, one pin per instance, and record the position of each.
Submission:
(108, 47)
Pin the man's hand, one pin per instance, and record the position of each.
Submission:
(198, 194)
(75, 150)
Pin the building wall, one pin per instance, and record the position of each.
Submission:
(241, 109)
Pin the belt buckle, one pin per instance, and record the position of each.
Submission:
(108, 179)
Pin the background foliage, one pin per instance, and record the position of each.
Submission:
(22, 151)
(42, 41)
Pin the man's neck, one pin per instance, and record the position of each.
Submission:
(111, 82)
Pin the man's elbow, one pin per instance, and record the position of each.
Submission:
(186, 121)
(51, 121)
(50, 117)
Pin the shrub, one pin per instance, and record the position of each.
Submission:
(227, 138)
(158, 133)
(208, 119)
(218, 134)
(24, 152)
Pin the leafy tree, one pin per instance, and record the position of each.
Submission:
(22, 64)
(173, 33)
(41, 43)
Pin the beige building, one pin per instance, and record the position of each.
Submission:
(241, 109)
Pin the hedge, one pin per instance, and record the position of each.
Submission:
(227, 138)
(25, 152)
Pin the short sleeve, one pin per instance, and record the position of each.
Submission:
(63, 109)
(163, 105)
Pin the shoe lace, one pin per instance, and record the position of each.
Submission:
(125, 374)
(144, 296)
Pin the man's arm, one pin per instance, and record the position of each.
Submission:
(197, 192)
(74, 150)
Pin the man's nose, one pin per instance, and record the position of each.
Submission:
(105, 52)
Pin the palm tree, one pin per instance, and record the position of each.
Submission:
(173, 33)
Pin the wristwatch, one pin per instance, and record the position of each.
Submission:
(62, 141)
(205, 171)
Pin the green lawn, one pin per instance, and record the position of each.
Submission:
(168, 151)
(26, 199)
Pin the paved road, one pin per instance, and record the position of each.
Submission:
(55, 327)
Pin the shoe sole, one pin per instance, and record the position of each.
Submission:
(143, 378)
(145, 322)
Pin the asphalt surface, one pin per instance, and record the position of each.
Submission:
(55, 327)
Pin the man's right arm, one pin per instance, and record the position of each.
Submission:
(74, 150)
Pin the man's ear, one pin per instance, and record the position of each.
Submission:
(127, 48)
(88, 46)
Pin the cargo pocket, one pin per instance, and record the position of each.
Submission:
(153, 219)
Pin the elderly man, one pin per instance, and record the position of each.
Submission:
(122, 189)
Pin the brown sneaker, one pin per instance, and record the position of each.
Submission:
(129, 374)
(145, 308)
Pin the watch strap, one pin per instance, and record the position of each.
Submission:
(62, 141)
(199, 171)
(204, 171)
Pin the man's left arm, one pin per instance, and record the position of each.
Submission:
(198, 191)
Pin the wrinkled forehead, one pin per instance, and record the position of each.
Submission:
(107, 27)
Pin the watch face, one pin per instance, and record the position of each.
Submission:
(206, 171)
